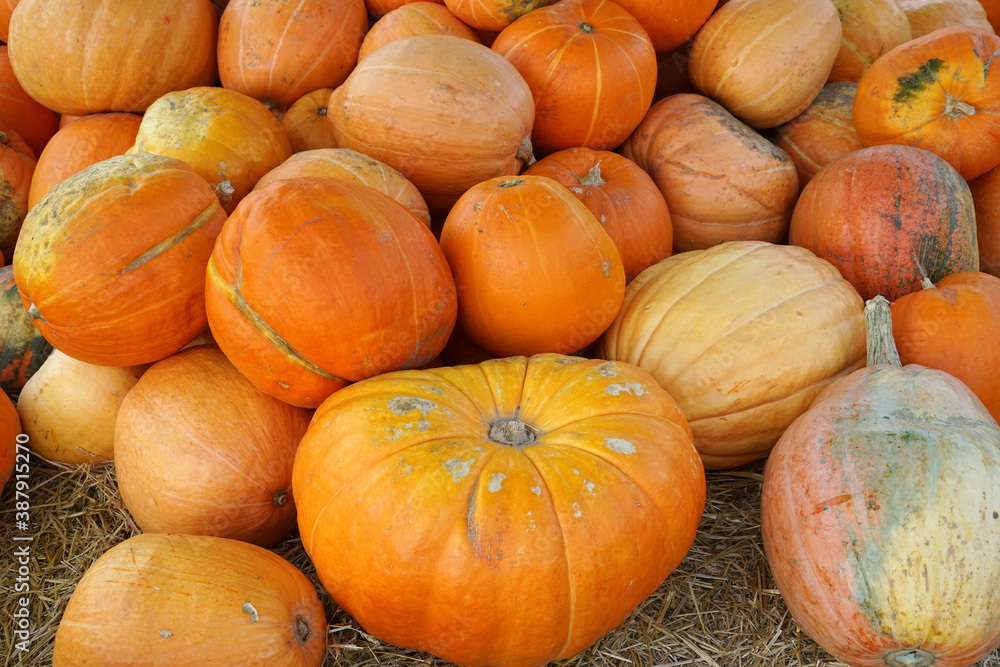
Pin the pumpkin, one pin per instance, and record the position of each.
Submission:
(821, 133)
(721, 180)
(534, 269)
(992, 8)
(491, 14)
(191, 600)
(379, 8)
(518, 479)
(278, 51)
(938, 93)
(986, 198)
(19, 112)
(766, 60)
(305, 123)
(622, 197)
(316, 282)
(17, 167)
(879, 516)
(352, 166)
(96, 137)
(6, 9)
(230, 139)
(414, 19)
(591, 69)
(870, 29)
(926, 16)
(10, 443)
(474, 104)
(111, 55)
(111, 262)
(669, 23)
(782, 324)
(194, 422)
(954, 326)
(24, 349)
(913, 206)
(68, 408)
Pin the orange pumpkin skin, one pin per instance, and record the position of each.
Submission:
(20, 112)
(133, 292)
(939, 93)
(352, 166)
(194, 422)
(93, 67)
(986, 197)
(492, 14)
(305, 122)
(669, 23)
(590, 67)
(10, 428)
(17, 166)
(766, 60)
(992, 8)
(721, 180)
(379, 8)
(6, 9)
(535, 271)
(870, 29)
(470, 99)
(622, 197)
(913, 205)
(308, 256)
(926, 16)
(954, 326)
(609, 476)
(411, 20)
(96, 137)
(279, 51)
(191, 600)
(821, 133)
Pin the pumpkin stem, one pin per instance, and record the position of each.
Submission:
(593, 177)
(280, 498)
(321, 111)
(224, 191)
(878, 333)
(925, 280)
(4, 139)
(512, 432)
(955, 108)
(586, 27)
(301, 630)
(525, 152)
(910, 657)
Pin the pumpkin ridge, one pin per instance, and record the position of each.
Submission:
(749, 46)
(166, 244)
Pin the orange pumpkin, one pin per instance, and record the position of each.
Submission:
(766, 60)
(622, 197)
(913, 207)
(669, 23)
(316, 282)
(17, 166)
(111, 55)
(11, 445)
(992, 8)
(986, 198)
(278, 51)
(514, 478)
(491, 14)
(305, 122)
(96, 137)
(870, 29)
(379, 8)
(821, 133)
(192, 600)
(411, 20)
(20, 112)
(938, 93)
(193, 422)
(133, 291)
(926, 16)
(590, 67)
(6, 9)
(535, 271)
(721, 180)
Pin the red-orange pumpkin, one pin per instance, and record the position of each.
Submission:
(6, 9)
(411, 20)
(492, 14)
(992, 8)
(20, 112)
(17, 166)
(10, 428)
(379, 8)
(669, 23)
(986, 198)
(870, 29)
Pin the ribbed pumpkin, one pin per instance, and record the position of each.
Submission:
(352, 166)
(721, 180)
(590, 67)
(939, 93)
(414, 19)
(379, 8)
(17, 167)
(20, 112)
(986, 199)
(622, 197)
(821, 133)
(111, 262)
(518, 479)
(743, 335)
(870, 29)
(277, 51)
(534, 269)
(879, 518)
(913, 207)
(10, 428)
(24, 349)
(305, 122)
(200, 451)
(111, 55)
(317, 282)
(926, 16)
(492, 14)
(766, 60)
(669, 23)
(162, 600)
(444, 111)
(230, 139)
(96, 137)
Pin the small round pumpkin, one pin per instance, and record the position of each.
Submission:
(22, 113)
(411, 20)
(191, 600)
(305, 122)
(870, 29)
(926, 16)
(24, 348)
(669, 23)
(17, 168)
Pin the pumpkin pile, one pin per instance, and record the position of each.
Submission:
(468, 295)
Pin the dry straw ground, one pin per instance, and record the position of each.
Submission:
(719, 608)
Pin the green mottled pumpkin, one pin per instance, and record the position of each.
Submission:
(23, 348)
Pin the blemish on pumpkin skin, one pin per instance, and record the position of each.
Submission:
(832, 502)
(458, 469)
(627, 388)
(166, 634)
(620, 446)
(496, 482)
(918, 81)
(249, 609)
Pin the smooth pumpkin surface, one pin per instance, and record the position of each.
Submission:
(939, 93)
(6, 9)
(305, 122)
(986, 199)
(669, 23)
(24, 349)
(10, 428)
(191, 600)
(519, 479)
(926, 16)
(875, 212)
(491, 14)
(379, 8)
(22, 113)
(775, 324)
(134, 292)
(870, 29)
(17, 168)
(316, 282)
(413, 19)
